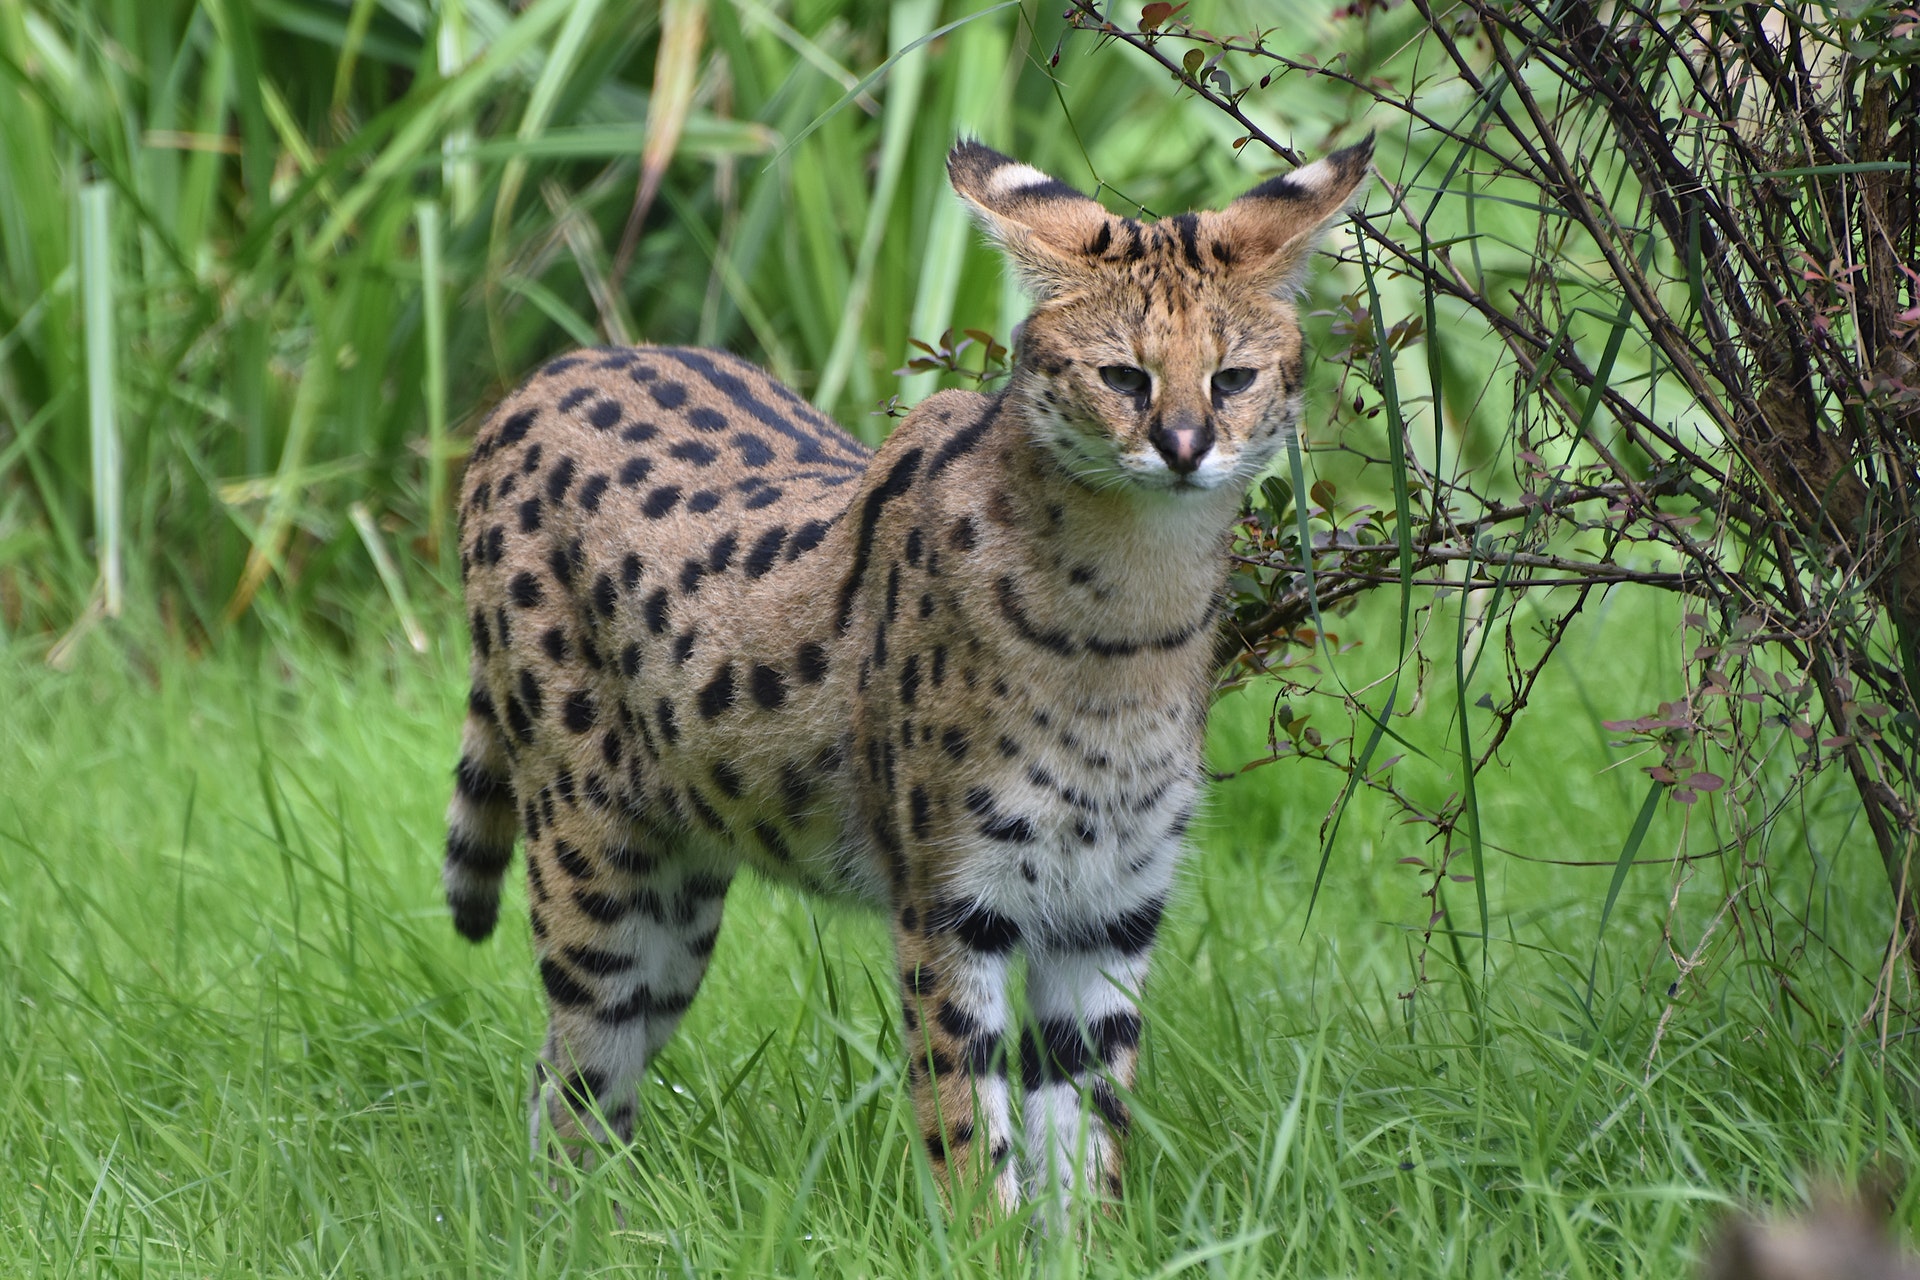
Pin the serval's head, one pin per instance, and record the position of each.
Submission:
(1162, 355)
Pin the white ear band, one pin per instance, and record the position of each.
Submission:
(1011, 178)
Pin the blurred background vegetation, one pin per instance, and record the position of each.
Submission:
(264, 260)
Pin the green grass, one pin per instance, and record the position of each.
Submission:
(260, 267)
(238, 1035)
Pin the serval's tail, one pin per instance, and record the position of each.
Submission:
(481, 822)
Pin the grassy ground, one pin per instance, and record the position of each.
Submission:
(238, 1036)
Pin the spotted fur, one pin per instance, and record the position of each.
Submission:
(963, 678)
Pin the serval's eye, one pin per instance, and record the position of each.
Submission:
(1125, 379)
(1233, 381)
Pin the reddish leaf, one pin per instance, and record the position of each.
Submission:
(1706, 782)
(1158, 12)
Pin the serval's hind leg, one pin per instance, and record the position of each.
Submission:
(624, 926)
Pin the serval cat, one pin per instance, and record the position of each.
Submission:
(963, 678)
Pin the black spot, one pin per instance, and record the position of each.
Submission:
(575, 863)
(690, 574)
(634, 470)
(515, 428)
(496, 544)
(604, 595)
(898, 480)
(562, 566)
(1101, 239)
(920, 813)
(668, 395)
(772, 841)
(530, 696)
(643, 1002)
(603, 908)
(562, 987)
(910, 921)
(591, 491)
(630, 660)
(754, 451)
(700, 455)
(769, 687)
(910, 679)
(1188, 225)
(807, 538)
(525, 590)
(518, 721)
(727, 778)
(977, 927)
(554, 641)
(611, 749)
(812, 663)
(1007, 596)
(763, 498)
(655, 610)
(559, 480)
(579, 713)
(718, 694)
(664, 713)
(640, 433)
(703, 501)
(963, 536)
(531, 463)
(660, 501)
(795, 792)
(1080, 575)
(927, 605)
(720, 554)
(595, 961)
(704, 810)
(530, 516)
(704, 419)
(955, 742)
(630, 568)
(766, 549)
(965, 440)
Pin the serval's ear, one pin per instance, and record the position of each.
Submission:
(1273, 230)
(1049, 231)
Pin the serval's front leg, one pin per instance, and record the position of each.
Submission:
(953, 975)
(1083, 986)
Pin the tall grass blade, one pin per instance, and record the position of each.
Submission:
(389, 573)
(978, 47)
(676, 73)
(433, 307)
(103, 430)
(1628, 852)
(908, 22)
(879, 73)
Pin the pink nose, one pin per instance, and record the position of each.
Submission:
(1183, 446)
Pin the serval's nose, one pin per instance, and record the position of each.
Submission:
(1183, 444)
